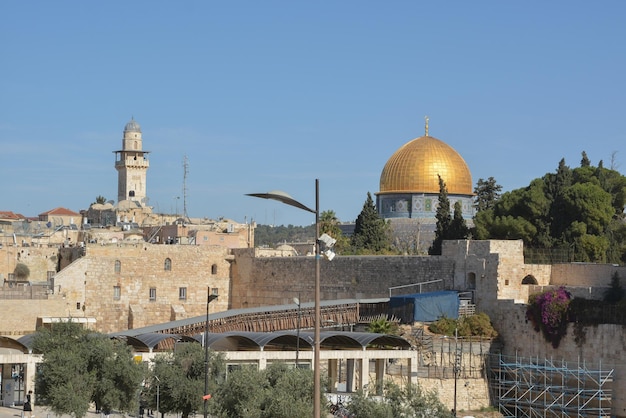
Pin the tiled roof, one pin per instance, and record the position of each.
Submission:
(11, 216)
(60, 212)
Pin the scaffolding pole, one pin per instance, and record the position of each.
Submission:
(533, 387)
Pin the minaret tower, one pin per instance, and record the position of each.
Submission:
(131, 163)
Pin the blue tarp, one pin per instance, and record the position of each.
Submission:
(425, 307)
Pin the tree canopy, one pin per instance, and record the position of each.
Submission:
(447, 227)
(276, 392)
(371, 232)
(80, 367)
(180, 376)
(411, 402)
(578, 210)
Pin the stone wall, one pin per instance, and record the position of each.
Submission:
(586, 274)
(603, 346)
(87, 286)
(471, 394)
(143, 267)
(39, 260)
(260, 281)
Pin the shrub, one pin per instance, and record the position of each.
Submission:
(22, 272)
(478, 325)
(383, 326)
(444, 326)
(548, 312)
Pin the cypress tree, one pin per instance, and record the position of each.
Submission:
(443, 219)
(371, 232)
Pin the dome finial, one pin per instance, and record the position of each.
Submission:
(426, 128)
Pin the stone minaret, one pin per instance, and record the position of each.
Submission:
(131, 163)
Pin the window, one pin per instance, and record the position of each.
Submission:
(117, 292)
(182, 293)
(214, 269)
(168, 264)
(152, 294)
(471, 280)
(118, 266)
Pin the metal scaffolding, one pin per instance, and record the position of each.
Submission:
(530, 387)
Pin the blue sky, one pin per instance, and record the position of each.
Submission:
(266, 95)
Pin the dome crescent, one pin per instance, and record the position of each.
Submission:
(414, 168)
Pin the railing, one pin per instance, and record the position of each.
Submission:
(467, 310)
(22, 291)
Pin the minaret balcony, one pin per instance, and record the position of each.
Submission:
(132, 163)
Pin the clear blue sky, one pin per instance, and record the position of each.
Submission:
(265, 95)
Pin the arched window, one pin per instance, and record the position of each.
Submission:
(118, 266)
(530, 279)
(168, 264)
(214, 269)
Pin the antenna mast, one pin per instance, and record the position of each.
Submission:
(185, 172)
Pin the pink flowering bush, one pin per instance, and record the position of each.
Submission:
(548, 313)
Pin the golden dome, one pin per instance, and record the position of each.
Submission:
(414, 168)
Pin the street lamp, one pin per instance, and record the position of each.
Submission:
(209, 298)
(297, 302)
(288, 200)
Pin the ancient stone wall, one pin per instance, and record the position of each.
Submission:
(601, 346)
(259, 281)
(586, 274)
(144, 289)
(39, 260)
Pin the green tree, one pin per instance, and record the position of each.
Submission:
(371, 232)
(100, 199)
(181, 377)
(458, 227)
(268, 235)
(584, 162)
(276, 392)
(487, 194)
(442, 229)
(580, 210)
(383, 326)
(410, 402)
(80, 367)
(329, 224)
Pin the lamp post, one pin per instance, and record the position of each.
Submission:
(297, 302)
(288, 200)
(209, 298)
(457, 366)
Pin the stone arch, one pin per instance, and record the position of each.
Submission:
(530, 279)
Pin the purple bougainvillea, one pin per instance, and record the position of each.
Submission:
(548, 313)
